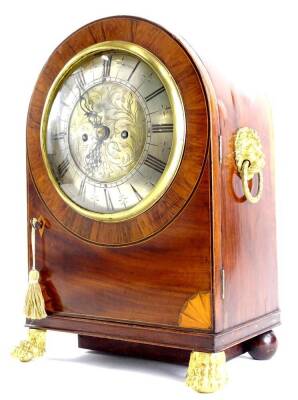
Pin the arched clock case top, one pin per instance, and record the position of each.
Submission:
(188, 80)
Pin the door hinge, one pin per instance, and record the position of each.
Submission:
(223, 283)
(220, 147)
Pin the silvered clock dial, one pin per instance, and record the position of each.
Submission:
(113, 131)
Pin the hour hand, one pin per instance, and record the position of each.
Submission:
(87, 107)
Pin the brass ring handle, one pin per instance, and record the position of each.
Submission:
(250, 160)
(244, 178)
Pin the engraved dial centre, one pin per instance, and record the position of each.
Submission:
(105, 114)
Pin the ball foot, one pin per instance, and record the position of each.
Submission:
(263, 346)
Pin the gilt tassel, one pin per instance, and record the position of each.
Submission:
(34, 302)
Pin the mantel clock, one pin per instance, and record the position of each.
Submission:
(150, 182)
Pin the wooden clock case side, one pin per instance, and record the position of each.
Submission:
(245, 293)
(244, 234)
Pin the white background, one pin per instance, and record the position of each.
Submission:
(255, 43)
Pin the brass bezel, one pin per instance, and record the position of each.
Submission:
(178, 134)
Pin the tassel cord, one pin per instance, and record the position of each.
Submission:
(33, 233)
(34, 302)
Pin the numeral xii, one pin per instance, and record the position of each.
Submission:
(107, 60)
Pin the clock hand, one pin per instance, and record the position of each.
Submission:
(102, 132)
(93, 158)
(87, 106)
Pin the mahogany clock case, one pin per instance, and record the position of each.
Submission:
(197, 271)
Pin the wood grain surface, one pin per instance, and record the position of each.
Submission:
(131, 281)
